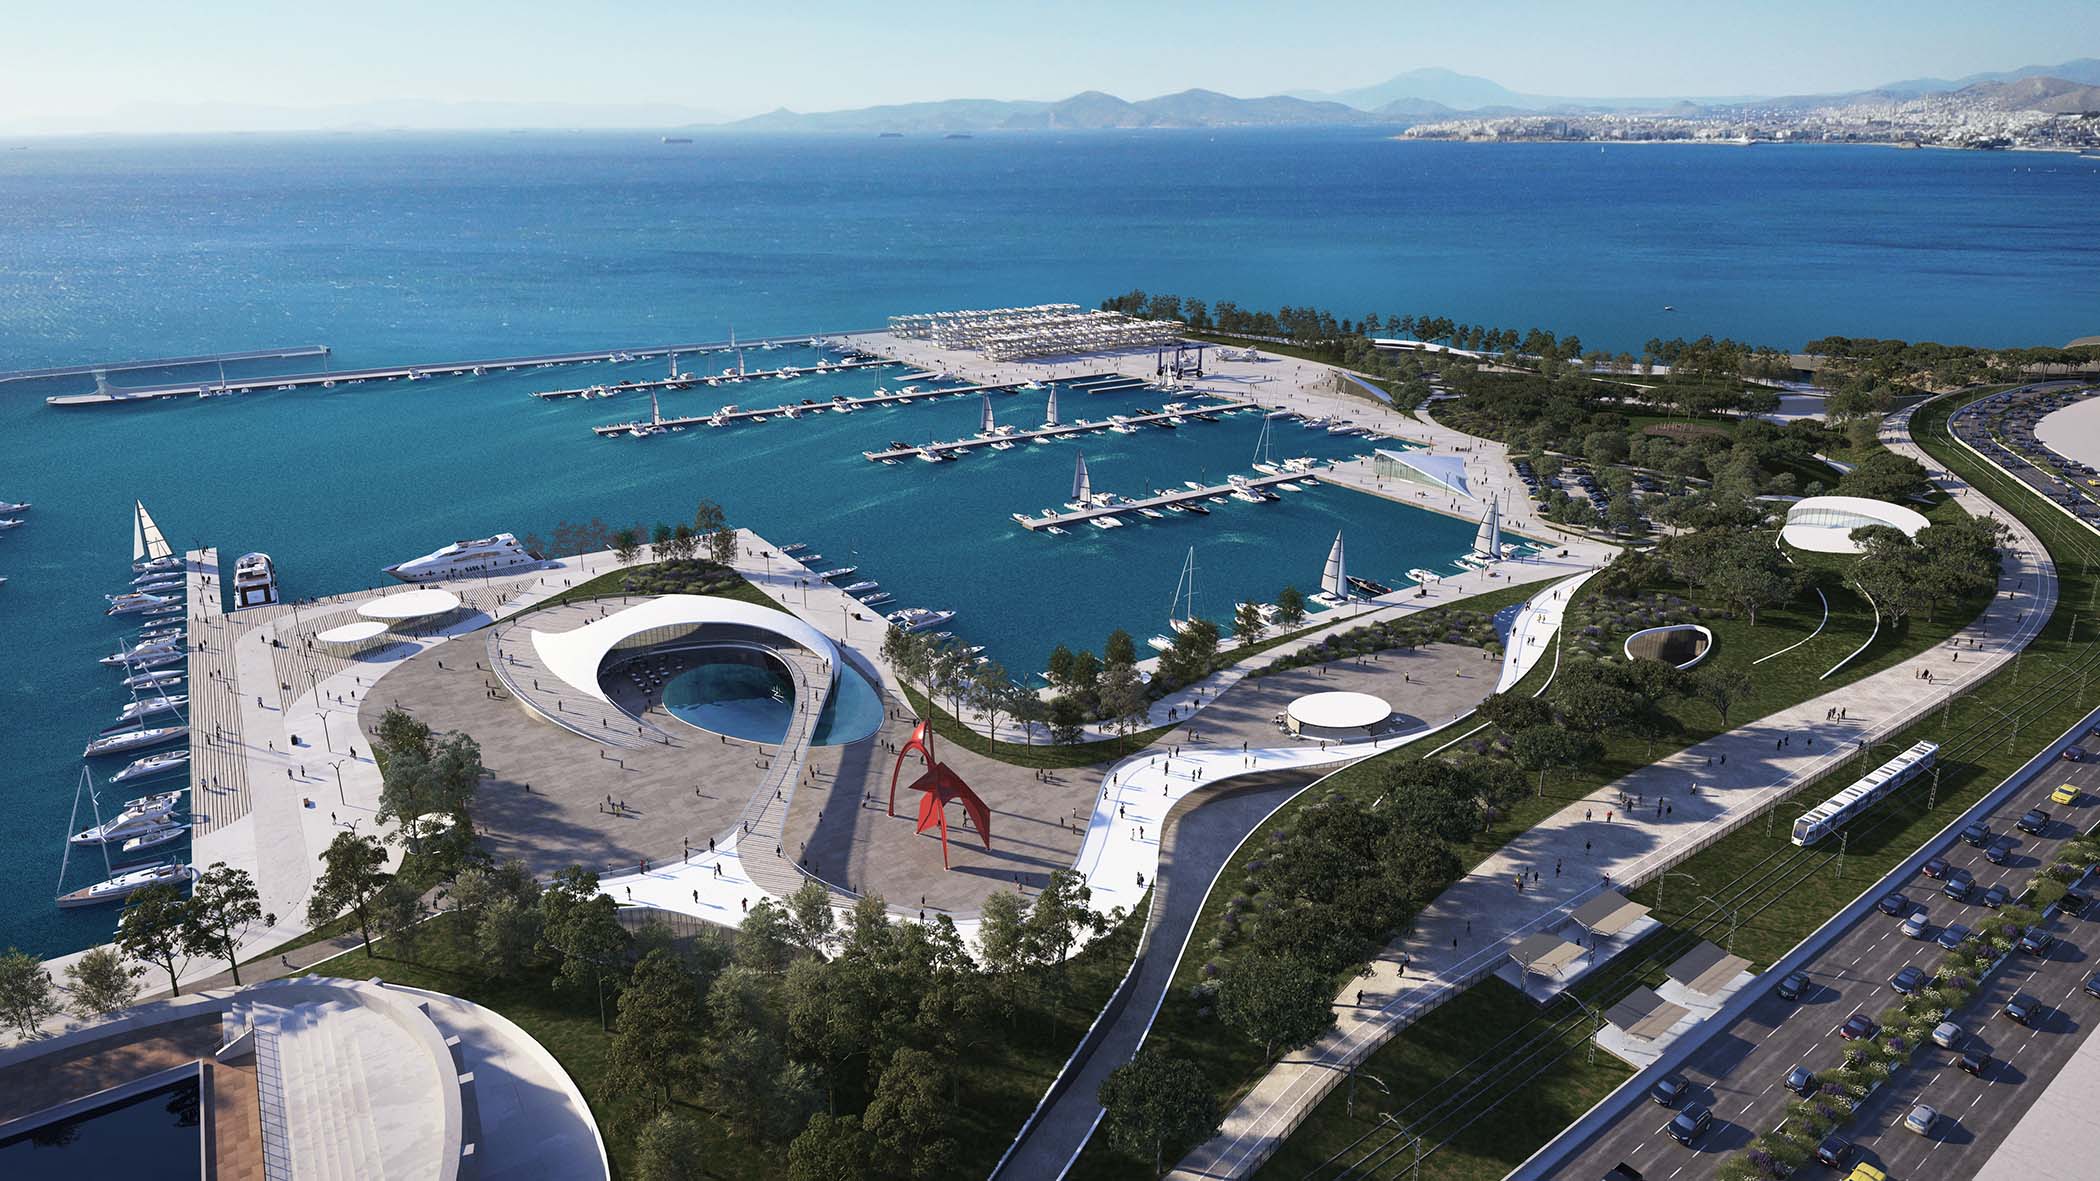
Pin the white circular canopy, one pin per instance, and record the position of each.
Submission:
(1824, 524)
(414, 604)
(353, 633)
(1340, 711)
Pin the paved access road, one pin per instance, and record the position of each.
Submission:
(1740, 1072)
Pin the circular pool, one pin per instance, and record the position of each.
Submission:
(748, 696)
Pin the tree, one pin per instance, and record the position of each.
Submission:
(1721, 687)
(831, 1148)
(506, 937)
(1885, 475)
(1029, 710)
(722, 546)
(1513, 713)
(1280, 1003)
(150, 931)
(1542, 747)
(813, 926)
(708, 517)
(1067, 719)
(684, 542)
(1155, 1103)
(1056, 917)
(1433, 797)
(223, 905)
(627, 545)
(401, 734)
(354, 872)
(660, 540)
(1120, 648)
(655, 1045)
(752, 1082)
(102, 983)
(990, 692)
(1290, 608)
(25, 992)
(1123, 696)
(908, 1119)
(673, 1147)
(578, 925)
(1248, 624)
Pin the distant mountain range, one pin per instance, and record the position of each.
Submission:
(1415, 96)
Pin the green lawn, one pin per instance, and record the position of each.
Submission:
(1506, 1103)
(1012, 1062)
(662, 578)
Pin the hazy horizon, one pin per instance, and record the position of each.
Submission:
(234, 65)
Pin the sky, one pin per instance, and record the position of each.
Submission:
(150, 65)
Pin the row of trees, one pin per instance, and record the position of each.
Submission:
(708, 532)
(1950, 562)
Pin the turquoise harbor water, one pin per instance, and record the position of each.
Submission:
(756, 701)
(424, 248)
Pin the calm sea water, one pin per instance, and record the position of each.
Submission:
(428, 248)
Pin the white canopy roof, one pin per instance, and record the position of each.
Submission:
(576, 655)
(1340, 711)
(410, 604)
(353, 633)
(1824, 524)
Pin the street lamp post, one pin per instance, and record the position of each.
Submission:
(1375, 1081)
(1666, 877)
(338, 766)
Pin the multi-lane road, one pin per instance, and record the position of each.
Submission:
(1740, 1071)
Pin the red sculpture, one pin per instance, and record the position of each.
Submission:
(941, 785)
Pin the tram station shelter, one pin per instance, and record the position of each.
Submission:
(1544, 955)
(1645, 1014)
(1609, 914)
(1706, 969)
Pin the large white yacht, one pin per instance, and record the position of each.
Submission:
(467, 559)
(254, 581)
(124, 885)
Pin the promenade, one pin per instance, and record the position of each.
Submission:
(1468, 930)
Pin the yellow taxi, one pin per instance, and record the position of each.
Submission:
(1866, 1172)
(2065, 794)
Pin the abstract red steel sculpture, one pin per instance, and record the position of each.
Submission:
(941, 785)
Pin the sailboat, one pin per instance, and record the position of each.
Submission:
(120, 886)
(149, 549)
(1263, 462)
(1184, 601)
(1334, 577)
(1050, 411)
(1082, 486)
(1487, 544)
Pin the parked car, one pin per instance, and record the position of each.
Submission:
(1999, 851)
(1834, 1151)
(1691, 1123)
(1858, 1026)
(1669, 1089)
(2073, 903)
(1952, 935)
(1996, 897)
(1974, 1061)
(1896, 903)
(1977, 834)
(1623, 1172)
(2065, 794)
(1801, 1081)
(2036, 941)
(2033, 821)
(2075, 754)
(1909, 980)
(1923, 1118)
(1947, 1035)
(1935, 868)
(1916, 925)
(2022, 1008)
(1958, 885)
(1866, 1172)
(1793, 987)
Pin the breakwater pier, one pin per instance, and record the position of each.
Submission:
(1082, 427)
(102, 367)
(686, 381)
(840, 405)
(1163, 499)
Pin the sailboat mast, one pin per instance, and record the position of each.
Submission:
(1050, 418)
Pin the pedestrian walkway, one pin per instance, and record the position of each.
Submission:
(1682, 803)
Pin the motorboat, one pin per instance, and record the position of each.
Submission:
(1368, 588)
(1153, 513)
(878, 599)
(124, 885)
(164, 609)
(137, 602)
(839, 572)
(125, 741)
(151, 577)
(130, 822)
(793, 548)
(1108, 522)
(146, 707)
(918, 619)
(865, 584)
(157, 654)
(477, 557)
(156, 837)
(10, 522)
(151, 765)
(14, 506)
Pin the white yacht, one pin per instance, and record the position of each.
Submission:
(124, 885)
(124, 741)
(146, 707)
(147, 653)
(164, 833)
(153, 765)
(8, 522)
(128, 823)
(135, 602)
(254, 581)
(918, 619)
(14, 506)
(479, 557)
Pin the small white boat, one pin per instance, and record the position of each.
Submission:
(14, 506)
(865, 584)
(126, 741)
(137, 602)
(1288, 486)
(155, 654)
(124, 885)
(156, 837)
(128, 823)
(153, 765)
(1154, 513)
(1105, 522)
(146, 707)
(1003, 445)
(1056, 530)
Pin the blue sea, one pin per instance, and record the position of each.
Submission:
(400, 248)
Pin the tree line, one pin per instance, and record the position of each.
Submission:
(708, 534)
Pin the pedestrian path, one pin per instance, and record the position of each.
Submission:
(1684, 802)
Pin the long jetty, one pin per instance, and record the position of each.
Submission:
(304, 350)
(1059, 431)
(794, 409)
(689, 380)
(1158, 501)
(327, 379)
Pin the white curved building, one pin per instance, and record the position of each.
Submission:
(1824, 524)
(1338, 716)
(577, 655)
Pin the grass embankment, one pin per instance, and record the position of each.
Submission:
(1481, 1120)
(698, 577)
(1009, 1067)
(1782, 681)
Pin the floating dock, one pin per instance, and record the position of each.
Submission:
(792, 410)
(1161, 501)
(690, 380)
(1053, 432)
(413, 372)
(304, 350)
